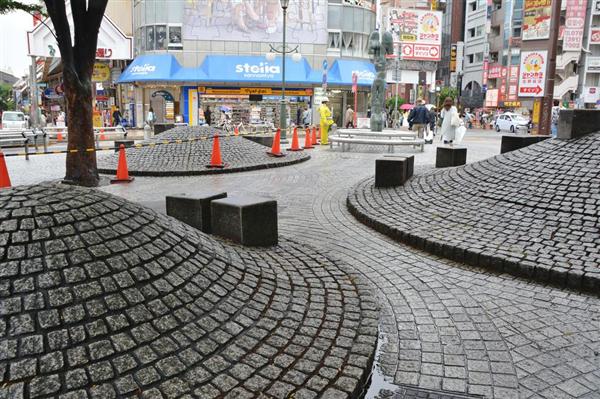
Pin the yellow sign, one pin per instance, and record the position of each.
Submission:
(101, 72)
(254, 90)
(97, 119)
(536, 111)
(453, 50)
(512, 104)
(434, 5)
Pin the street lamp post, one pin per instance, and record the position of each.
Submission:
(271, 56)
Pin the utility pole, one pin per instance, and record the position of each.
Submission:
(583, 55)
(548, 99)
(33, 93)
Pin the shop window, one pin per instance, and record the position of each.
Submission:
(472, 32)
(334, 40)
(479, 57)
(175, 37)
(347, 43)
(149, 38)
(160, 32)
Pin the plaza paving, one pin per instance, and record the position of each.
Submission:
(190, 152)
(446, 329)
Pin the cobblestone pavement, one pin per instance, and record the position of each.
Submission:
(533, 212)
(446, 328)
(191, 158)
(102, 298)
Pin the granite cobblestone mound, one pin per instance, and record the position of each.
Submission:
(103, 298)
(533, 212)
(191, 158)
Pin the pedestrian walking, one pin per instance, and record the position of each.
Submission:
(450, 120)
(396, 118)
(307, 116)
(151, 119)
(419, 118)
(349, 117)
(554, 120)
(117, 116)
(207, 115)
(326, 120)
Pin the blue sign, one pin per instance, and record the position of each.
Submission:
(254, 69)
(342, 70)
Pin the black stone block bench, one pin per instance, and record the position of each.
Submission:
(193, 210)
(126, 143)
(448, 156)
(246, 220)
(393, 171)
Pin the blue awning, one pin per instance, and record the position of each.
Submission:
(255, 69)
(341, 72)
(159, 68)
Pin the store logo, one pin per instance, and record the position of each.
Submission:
(262, 70)
(365, 75)
(143, 69)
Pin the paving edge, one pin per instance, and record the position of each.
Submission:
(208, 171)
(477, 258)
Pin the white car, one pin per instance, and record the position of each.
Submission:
(511, 122)
(13, 120)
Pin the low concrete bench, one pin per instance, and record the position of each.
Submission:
(246, 220)
(126, 143)
(193, 210)
(514, 142)
(393, 171)
(346, 142)
(448, 156)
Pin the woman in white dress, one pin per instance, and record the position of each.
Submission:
(450, 121)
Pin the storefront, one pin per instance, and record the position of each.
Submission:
(246, 88)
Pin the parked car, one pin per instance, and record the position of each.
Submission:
(13, 120)
(511, 122)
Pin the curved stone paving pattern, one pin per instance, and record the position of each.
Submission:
(191, 158)
(444, 326)
(532, 212)
(103, 298)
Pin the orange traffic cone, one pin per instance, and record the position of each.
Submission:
(236, 131)
(295, 145)
(122, 171)
(215, 159)
(102, 136)
(4, 178)
(314, 136)
(276, 148)
(59, 136)
(307, 140)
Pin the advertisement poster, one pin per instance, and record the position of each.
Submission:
(503, 76)
(596, 7)
(494, 71)
(595, 36)
(574, 22)
(532, 74)
(255, 20)
(491, 98)
(591, 94)
(536, 19)
(417, 32)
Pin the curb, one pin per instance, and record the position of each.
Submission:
(529, 270)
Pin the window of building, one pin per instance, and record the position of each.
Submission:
(479, 57)
(472, 32)
(480, 30)
(160, 34)
(149, 38)
(175, 37)
(471, 58)
(334, 41)
(473, 6)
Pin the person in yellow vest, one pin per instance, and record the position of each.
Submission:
(326, 120)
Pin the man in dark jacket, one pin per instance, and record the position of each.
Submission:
(419, 118)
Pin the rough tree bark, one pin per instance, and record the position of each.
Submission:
(78, 57)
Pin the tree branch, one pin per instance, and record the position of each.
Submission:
(58, 15)
(7, 6)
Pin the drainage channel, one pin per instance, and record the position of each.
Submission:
(380, 386)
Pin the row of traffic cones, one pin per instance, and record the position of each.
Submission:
(309, 142)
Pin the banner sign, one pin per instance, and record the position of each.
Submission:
(491, 98)
(536, 19)
(453, 51)
(495, 71)
(513, 82)
(101, 72)
(503, 76)
(484, 80)
(591, 94)
(532, 74)
(574, 22)
(254, 21)
(417, 32)
(596, 7)
(593, 64)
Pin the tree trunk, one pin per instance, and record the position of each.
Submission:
(81, 168)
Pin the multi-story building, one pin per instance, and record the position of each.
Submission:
(589, 70)
(192, 55)
(452, 42)
(476, 49)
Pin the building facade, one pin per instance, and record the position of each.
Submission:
(452, 43)
(217, 53)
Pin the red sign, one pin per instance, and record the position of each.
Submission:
(531, 90)
(513, 83)
(103, 52)
(574, 22)
(595, 36)
(502, 87)
(485, 72)
(494, 71)
(354, 82)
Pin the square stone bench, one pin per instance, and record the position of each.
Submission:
(193, 210)
(515, 141)
(410, 165)
(448, 156)
(393, 171)
(246, 220)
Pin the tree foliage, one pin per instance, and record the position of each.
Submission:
(7, 6)
(7, 103)
(448, 92)
(390, 103)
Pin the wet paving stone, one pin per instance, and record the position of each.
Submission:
(169, 311)
(190, 151)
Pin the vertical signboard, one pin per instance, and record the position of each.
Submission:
(502, 88)
(532, 73)
(453, 51)
(574, 22)
(417, 32)
(513, 83)
(536, 19)
(484, 81)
